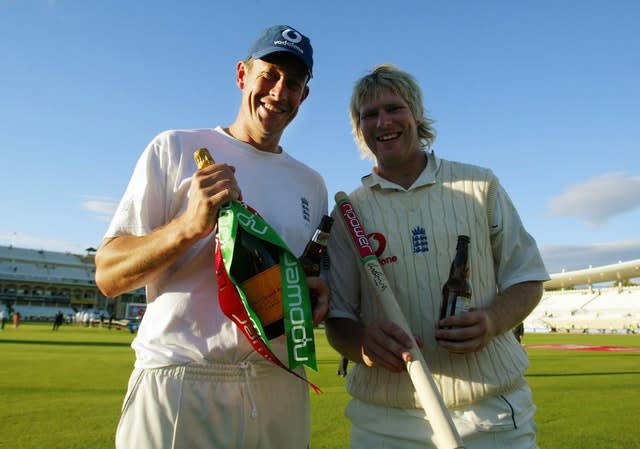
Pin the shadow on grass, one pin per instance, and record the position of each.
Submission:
(67, 343)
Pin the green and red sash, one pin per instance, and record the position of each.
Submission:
(297, 314)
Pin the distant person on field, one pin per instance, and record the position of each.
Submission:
(3, 318)
(16, 319)
(58, 320)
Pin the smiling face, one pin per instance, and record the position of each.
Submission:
(272, 90)
(389, 129)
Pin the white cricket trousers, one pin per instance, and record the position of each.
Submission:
(253, 405)
(502, 422)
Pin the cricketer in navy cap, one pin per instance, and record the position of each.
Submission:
(283, 38)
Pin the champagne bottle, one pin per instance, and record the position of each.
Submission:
(255, 268)
(456, 291)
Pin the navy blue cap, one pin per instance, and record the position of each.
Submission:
(283, 38)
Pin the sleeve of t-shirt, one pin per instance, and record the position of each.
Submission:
(515, 252)
(141, 208)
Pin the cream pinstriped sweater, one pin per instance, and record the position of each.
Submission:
(415, 233)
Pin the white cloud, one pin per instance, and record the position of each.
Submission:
(598, 199)
(101, 207)
(579, 257)
(103, 210)
(20, 240)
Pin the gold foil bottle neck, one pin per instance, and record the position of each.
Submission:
(202, 157)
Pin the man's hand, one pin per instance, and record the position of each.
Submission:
(385, 344)
(472, 331)
(211, 187)
(320, 291)
(467, 332)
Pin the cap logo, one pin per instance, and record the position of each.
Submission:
(291, 38)
(292, 35)
(283, 38)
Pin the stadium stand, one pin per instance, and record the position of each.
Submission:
(39, 284)
(595, 300)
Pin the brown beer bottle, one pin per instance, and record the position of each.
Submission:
(315, 252)
(456, 291)
(256, 270)
(311, 258)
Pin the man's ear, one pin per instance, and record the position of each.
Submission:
(305, 94)
(241, 72)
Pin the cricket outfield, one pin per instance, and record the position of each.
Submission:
(63, 389)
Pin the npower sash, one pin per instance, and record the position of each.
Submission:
(298, 320)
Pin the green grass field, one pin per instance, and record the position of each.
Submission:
(63, 390)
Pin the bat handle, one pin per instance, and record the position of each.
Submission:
(439, 417)
(447, 436)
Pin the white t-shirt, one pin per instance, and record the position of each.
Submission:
(183, 321)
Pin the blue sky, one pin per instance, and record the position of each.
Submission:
(545, 93)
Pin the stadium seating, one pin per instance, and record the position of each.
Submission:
(39, 283)
(607, 309)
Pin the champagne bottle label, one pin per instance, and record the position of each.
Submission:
(264, 293)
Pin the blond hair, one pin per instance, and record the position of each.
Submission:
(384, 78)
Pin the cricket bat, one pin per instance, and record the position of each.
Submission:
(445, 434)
